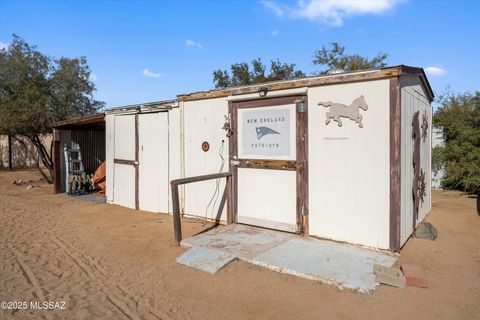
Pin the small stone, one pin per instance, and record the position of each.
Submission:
(426, 230)
(29, 187)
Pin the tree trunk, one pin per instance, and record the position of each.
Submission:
(45, 157)
(10, 153)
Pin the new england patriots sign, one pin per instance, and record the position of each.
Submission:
(266, 132)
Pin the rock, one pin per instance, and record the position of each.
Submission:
(426, 230)
(29, 187)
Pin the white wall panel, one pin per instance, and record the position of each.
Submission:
(413, 99)
(349, 167)
(109, 153)
(268, 198)
(153, 162)
(124, 149)
(203, 121)
(124, 185)
(174, 162)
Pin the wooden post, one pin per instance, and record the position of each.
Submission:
(10, 157)
(177, 227)
(228, 191)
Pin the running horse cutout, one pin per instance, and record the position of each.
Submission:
(340, 110)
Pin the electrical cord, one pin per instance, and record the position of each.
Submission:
(216, 193)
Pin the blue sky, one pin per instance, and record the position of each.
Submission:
(143, 51)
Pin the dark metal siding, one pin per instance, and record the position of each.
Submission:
(91, 144)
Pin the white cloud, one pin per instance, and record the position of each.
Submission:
(275, 33)
(191, 43)
(3, 45)
(151, 74)
(331, 12)
(435, 71)
(275, 8)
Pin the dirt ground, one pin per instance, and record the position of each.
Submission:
(108, 262)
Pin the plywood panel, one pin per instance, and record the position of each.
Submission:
(124, 185)
(153, 162)
(267, 198)
(109, 154)
(413, 99)
(124, 137)
(203, 121)
(174, 160)
(349, 166)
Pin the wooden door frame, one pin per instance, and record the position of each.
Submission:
(300, 165)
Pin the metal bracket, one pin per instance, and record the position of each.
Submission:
(303, 212)
(301, 107)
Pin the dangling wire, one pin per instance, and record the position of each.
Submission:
(217, 183)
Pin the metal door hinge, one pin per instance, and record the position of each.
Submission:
(301, 107)
(303, 211)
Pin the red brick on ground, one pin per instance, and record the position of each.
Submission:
(415, 275)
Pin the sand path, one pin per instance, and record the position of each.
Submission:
(108, 262)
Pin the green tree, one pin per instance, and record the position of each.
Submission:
(458, 117)
(241, 74)
(334, 59)
(36, 91)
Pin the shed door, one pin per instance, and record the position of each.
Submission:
(268, 160)
(153, 161)
(125, 161)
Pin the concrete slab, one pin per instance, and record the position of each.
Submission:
(346, 266)
(240, 240)
(205, 259)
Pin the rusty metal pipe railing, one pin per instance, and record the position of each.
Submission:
(177, 228)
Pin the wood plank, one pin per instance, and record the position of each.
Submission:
(304, 82)
(267, 164)
(123, 161)
(200, 178)
(177, 227)
(395, 163)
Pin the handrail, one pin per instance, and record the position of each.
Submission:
(177, 228)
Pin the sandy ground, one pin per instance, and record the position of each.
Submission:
(108, 262)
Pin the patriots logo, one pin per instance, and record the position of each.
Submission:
(263, 131)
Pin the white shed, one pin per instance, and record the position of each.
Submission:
(142, 155)
(343, 156)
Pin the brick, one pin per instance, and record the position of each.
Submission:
(390, 276)
(414, 275)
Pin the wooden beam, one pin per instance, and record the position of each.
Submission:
(177, 227)
(200, 178)
(395, 165)
(123, 161)
(267, 164)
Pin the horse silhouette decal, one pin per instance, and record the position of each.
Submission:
(340, 110)
(263, 131)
